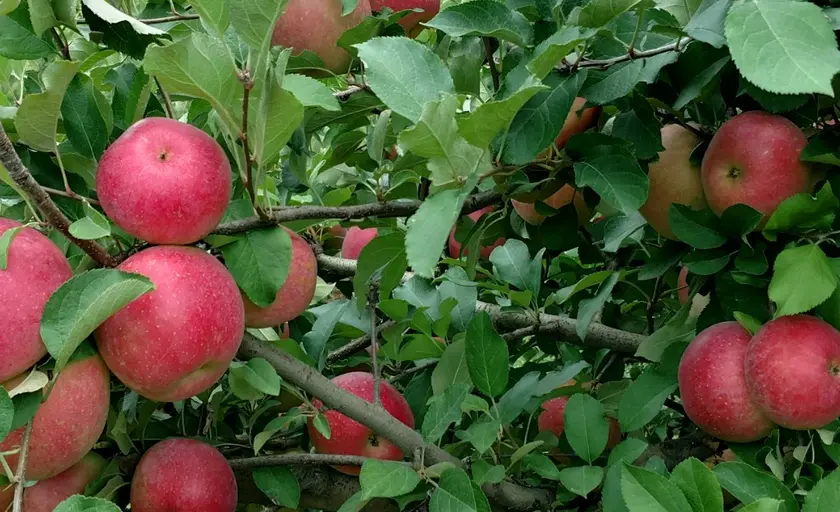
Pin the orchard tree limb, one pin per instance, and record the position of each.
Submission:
(505, 494)
(158, 21)
(605, 63)
(357, 344)
(383, 210)
(41, 199)
(287, 459)
(20, 475)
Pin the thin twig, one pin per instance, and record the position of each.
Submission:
(654, 298)
(355, 345)
(157, 21)
(20, 476)
(65, 48)
(411, 371)
(488, 53)
(70, 195)
(285, 459)
(605, 63)
(167, 101)
(374, 348)
(346, 93)
(247, 85)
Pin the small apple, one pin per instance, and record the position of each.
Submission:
(35, 268)
(317, 25)
(183, 475)
(713, 385)
(793, 371)
(567, 194)
(355, 240)
(411, 21)
(294, 296)
(47, 494)
(552, 420)
(753, 159)
(349, 437)
(164, 181)
(673, 179)
(455, 245)
(177, 340)
(69, 422)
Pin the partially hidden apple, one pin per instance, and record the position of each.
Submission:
(35, 268)
(294, 295)
(552, 419)
(355, 240)
(793, 371)
(47, 494)
(455, 245)
(577, 121)
(348, 437)
(317, 25)
(183, 475)
(699, 302)
(673, 179)
(566, 195)
(713, 385)
(411, 21)
(164, 181)
(177, 340)
(753, 159)
(69, 422)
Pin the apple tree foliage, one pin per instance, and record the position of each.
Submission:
(75, 74)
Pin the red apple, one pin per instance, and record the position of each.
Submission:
(577, 121)
(69, 423)
(713, 386)
(47, 494)
(455, 245)
(349, 437)
(673, 179)
(683, 290)
(552, 420)
(411, 21)
(7, 494)
(294, 296)
(793, 371)
(183, 475)
(317, 25)
(35, 269)
(355, 240)
(164, 181)
(753, 159)
(177, 340)
(564, 196)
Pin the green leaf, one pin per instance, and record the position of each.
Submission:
(598, 13)
(466, 296)
(682, 10)
(822, 148)
(643, 489)
(386, 479)
(273, 120)
(310, 92)
(443, 411)
(765, 505)
(802, 279)
(279, 484)
(17, 40)
(824, 497)
(484, 18)
(640, 126)
(602, 87)
(617, 178)
(707, 23)
(697, 83)
(316, 339)
(485, 473)
(79, 503)
(452, 368)
(547, 55)
(680, 328)
(627, 451)
(254, 21)
(588, 308)
(481, 434)
(487, 356)
(803, 212)
(92, 226)
(382, 260)
(81, 304)
(699, 229)
(512, 264)
(429, 227)
(483, 124)
(706, 263)
(7, 6)
(5, 243)
(7, 413)
(739, 220)
(699, 485)
(199, 66)
(405, 74)
(782, 46)
(262, 376)
(456, 493)
(37, 117)
(259, 262)
(42, 16)
(119, 30)
(214, 13)
(749, 484)
(644, 399)
(582, 480)
(586, 428)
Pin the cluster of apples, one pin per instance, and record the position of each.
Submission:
(738, 387)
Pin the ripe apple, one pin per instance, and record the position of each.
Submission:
(564, 196)
(349, 437)
(47, 494)
(183, 475)
(713, 386)
(753, 159)
(35, 269)
(177, 340)
(455, 245)
(355, 240)
(317, 25)
(411, 21)
(793, 371)
(552, 419)
(294, 296)
(7, 494)
(69, 422)
(673, 179)
(577, 121)
(164, 181)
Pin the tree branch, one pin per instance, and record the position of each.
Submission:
(605, 63)
(287, 459)
(158, 21)
(382, 210)
(353, 346)
(20, 476)
(41, 199)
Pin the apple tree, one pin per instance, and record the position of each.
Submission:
(409, 255)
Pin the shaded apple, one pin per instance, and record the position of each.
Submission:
(355, 240)
(294, 296)
(35, 269)
(348, 437)
(753, 159)
(69, 422)
(177, 340)
(7, 494)
(577, 121)
(183, 475)
(47, 494)
(713, 385)
(567, 194)
(455, 245)
(411, 21)
(699, 302)
(317, 25)
(164, 181)
(793, 371)
(674, 179)
(551, 419)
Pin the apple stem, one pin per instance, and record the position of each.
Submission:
(20, 477)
